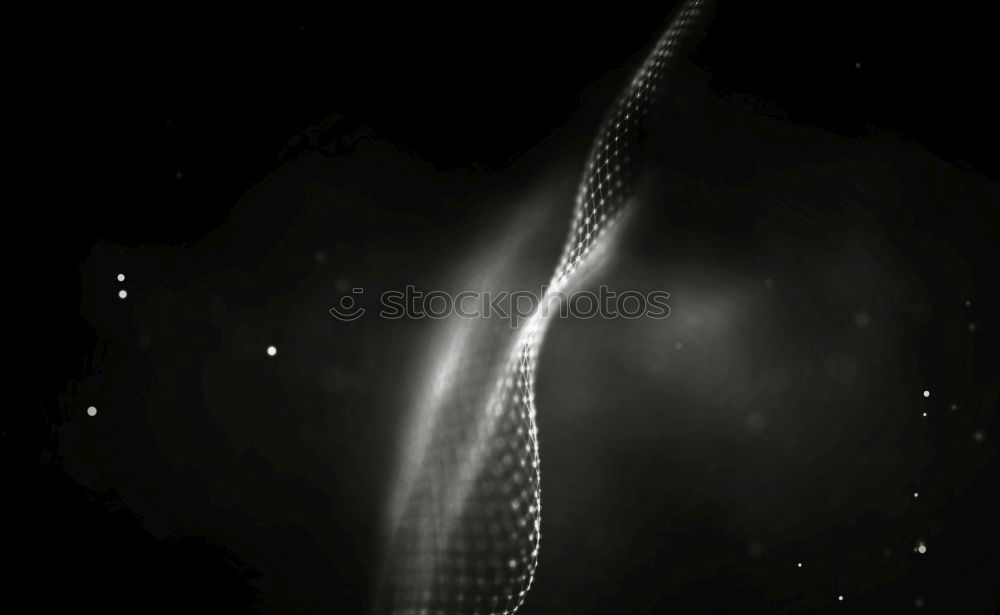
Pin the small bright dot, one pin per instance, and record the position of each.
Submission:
(121, 277)
(922, 549)
(271, 351)
(122, 294)
(840, 597)
(800, 564)
(857, 65)
(92, 411)
(927, 393)
(916, 495)
(925, 414)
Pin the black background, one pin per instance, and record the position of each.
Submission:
(153, 126)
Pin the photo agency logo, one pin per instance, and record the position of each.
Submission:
(513, 307)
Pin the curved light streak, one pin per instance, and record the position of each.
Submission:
(466, 521)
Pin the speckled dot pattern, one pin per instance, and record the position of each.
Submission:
(466, 534)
